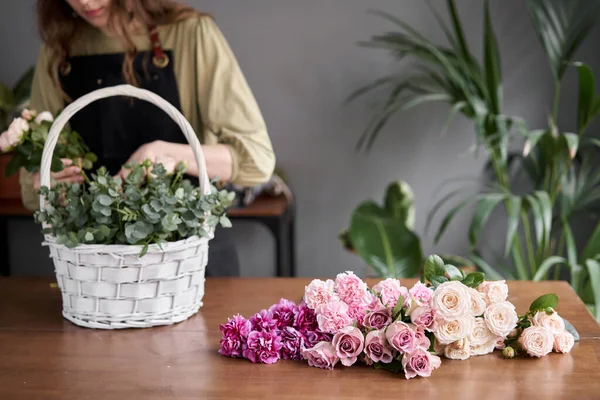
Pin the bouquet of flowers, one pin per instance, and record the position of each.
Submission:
(398, 329)
(26, 136)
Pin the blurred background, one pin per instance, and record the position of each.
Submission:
(302, 61)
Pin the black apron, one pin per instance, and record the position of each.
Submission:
(115, 127)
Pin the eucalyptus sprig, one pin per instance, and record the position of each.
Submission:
(149, 206)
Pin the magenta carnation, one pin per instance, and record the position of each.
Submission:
(284, 313)
(235, 333)
(305, 319)
(292, 343)
(263, 321)
(311, 338)
(263, 347)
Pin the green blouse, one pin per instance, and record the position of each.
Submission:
(215, 97)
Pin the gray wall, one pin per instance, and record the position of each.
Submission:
(301, 60)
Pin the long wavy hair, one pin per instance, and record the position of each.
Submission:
(59, 26)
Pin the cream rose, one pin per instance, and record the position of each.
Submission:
(459, 350)
(438, 348)
(501, 318)
(480, 333)
(451, 331)
(44, 116)
(483, 349)
(478, 303)
(537, 341)
(551, 321)
(494, 291)
(451, 300)
(15, 131)
(563, 342)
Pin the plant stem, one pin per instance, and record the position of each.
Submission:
(85, 177)
(529, 243)
(559, 252)
(556, 102)
(517, 253)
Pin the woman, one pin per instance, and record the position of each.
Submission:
(171, 50)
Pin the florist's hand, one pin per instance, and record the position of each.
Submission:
(156, 152)
(70, 174)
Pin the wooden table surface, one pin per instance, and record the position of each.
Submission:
(43, 356)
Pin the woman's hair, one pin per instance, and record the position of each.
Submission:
(59, 26)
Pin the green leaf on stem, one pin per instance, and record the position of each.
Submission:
(544, 302)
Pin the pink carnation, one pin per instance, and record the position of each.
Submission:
(292, 343)
(333, 316)
(284, 313)
(322, 355)
(389, 290)
(305, 319)
(319, 293)
(421, 294)
(234, 336)
(263, 321)
(419, 362)
(263, 347)
(352, 290)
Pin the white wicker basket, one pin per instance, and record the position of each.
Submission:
(109, 286)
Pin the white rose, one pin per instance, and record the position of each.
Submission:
(494, 291)
(563, 342)
(551, 321)
(478, 303)
(451, 331)
(44, 116)
(4, 145)
(459, 350)
(15, 131)
(451, 300)
(537, 341)
(480, 333)
(501, 318)
(483, 349)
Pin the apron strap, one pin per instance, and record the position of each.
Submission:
(160, 58)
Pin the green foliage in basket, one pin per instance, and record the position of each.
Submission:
(149, 206)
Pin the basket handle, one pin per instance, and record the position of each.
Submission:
(122, 90)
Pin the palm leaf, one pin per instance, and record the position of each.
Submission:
(545, 267)
(492, 63)
(513, 210)
(593, 268)
(491, 273)
(485, 206)
(561, 27)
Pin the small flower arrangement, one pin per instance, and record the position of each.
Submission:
(149, 206)
(395, 328)
(26, 136)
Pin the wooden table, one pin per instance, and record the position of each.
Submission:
(45, 357)
(277, 213)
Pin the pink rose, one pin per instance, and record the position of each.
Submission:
(425, 317)
(318, 293)
(322, 355)
(374, 302)
(352, 290)
(4, 144)
(28, 114)
(537, 341)
(15, 131)
(378, 319)
(419, 362)
(376, 347)
(563, 342)
(421, 340)
(401, 337)
(348, 344)
(333, 316)
(389, 290)
(420, 294)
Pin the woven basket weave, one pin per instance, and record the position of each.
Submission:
(109, 286)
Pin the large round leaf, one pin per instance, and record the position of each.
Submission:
(384, 242)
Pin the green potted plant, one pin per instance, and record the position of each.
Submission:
(559, 164)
